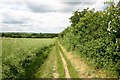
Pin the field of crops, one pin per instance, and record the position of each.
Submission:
(21, 56)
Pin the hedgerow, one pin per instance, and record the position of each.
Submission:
(95, 35)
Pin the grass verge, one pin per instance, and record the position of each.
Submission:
(46, 69)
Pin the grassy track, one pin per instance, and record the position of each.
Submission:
(60, 66)
(72, 71)
(78, 67)
(53, 66)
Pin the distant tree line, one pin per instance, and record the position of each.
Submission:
(28, 35)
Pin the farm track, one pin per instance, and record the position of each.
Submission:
(78, 64)
(67, 75)
(64, 64)
(83, 70)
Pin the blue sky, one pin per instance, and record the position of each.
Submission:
(48, 16)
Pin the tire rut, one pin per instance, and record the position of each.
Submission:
(84, 71)
(67, 75)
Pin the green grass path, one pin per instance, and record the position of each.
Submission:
(57, 65)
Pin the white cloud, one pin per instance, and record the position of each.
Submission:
(35, 22)
(39, 16)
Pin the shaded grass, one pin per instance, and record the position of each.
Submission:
(31, 65)
(46, 69)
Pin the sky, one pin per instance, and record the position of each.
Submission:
(41, 16)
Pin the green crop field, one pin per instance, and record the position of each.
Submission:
(19, 55)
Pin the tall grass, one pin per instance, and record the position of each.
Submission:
(20, 55)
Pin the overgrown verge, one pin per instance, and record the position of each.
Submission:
(46, 69)
(96, 37)
(27, 67)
